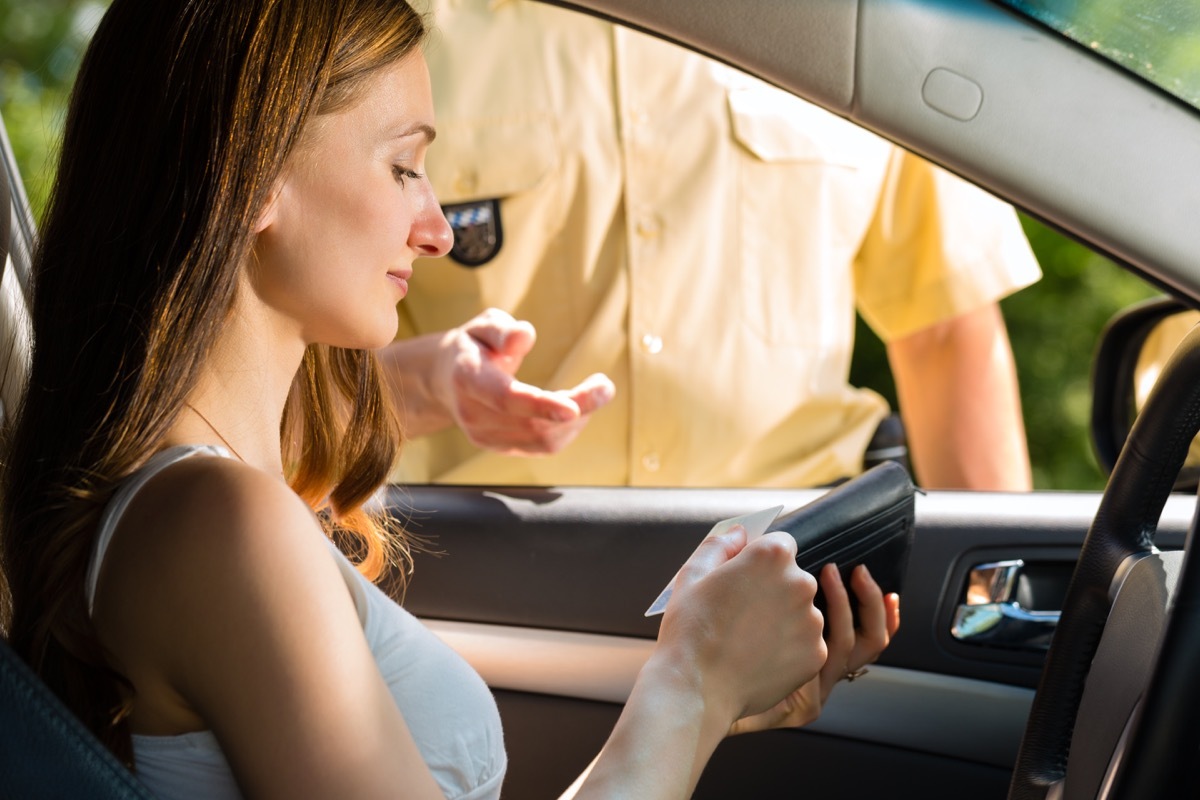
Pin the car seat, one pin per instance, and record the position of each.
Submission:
(45, 751)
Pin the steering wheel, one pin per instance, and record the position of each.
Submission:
(1115, 712)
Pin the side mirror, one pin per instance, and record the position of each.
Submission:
(1134, 346)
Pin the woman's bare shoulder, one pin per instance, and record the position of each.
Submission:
(212, 508)
(210, 556)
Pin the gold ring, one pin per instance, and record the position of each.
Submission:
(852, 675)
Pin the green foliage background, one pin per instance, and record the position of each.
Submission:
(41, 42)
(1053, 325)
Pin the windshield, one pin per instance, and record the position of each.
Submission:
(1159, 41)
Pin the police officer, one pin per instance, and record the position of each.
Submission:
(690, 246)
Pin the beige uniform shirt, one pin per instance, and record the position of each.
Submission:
(698, 235)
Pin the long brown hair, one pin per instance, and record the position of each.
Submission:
(182, 117)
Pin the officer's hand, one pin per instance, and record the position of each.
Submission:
(474, 381)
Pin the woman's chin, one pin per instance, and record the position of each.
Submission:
(373, 338)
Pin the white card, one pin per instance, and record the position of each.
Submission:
(756, 525)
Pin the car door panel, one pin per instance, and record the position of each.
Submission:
(544, 591)
(551, 739)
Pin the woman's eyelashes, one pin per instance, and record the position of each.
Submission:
(403, 174)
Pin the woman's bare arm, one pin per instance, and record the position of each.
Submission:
(219, 585)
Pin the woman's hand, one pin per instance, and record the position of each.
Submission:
(740, 632)
(741, 625)
(849, 650)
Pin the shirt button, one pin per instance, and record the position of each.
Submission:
(651, 462)
(648, 226)
(652, 344)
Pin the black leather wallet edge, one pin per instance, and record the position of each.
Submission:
(868, 520)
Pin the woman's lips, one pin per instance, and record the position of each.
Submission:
(400, 279)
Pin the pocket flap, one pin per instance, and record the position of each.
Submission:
(777, 126)
(486, 158)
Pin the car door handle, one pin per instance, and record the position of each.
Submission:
(992, 616)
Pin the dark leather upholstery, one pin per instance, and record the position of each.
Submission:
(44, 750)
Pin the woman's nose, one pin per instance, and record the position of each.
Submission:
(431, 235)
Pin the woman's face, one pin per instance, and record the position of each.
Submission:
(351, 213)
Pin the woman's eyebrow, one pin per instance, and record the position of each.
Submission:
(420, 127)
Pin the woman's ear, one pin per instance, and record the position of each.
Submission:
(266, 217)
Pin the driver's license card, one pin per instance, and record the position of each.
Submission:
(756, 525)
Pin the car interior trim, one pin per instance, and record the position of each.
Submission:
(816, 37)
(1121, 669)
(631, 505)
(1034, 81)
(886, 708)
(575, 591)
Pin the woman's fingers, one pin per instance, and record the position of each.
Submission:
(874, 631)
(892, 602)
(742, 617)
(849, 648)
(840, 635)
(839, 621)
(715, 550)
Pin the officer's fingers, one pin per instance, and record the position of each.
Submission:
(488, 326)
(518, 340)
(493, 316)
(498, 332)
(592, 393)
(512, 398)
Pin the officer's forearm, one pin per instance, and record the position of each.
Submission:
(408, 367)
(957, 387)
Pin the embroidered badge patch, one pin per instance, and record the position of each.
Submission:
(477, 231)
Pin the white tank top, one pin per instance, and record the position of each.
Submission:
(447, 706)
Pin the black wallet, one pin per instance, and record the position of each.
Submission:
(866, 520)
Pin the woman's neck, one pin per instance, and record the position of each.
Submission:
(241, 391)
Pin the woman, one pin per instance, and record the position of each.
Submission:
(238, 210)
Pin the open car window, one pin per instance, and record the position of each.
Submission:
(472, 164)
(1054, 380)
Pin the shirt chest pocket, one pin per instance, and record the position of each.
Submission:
(514, 160)
(491, 158)
(808, 186)
(778, 127)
